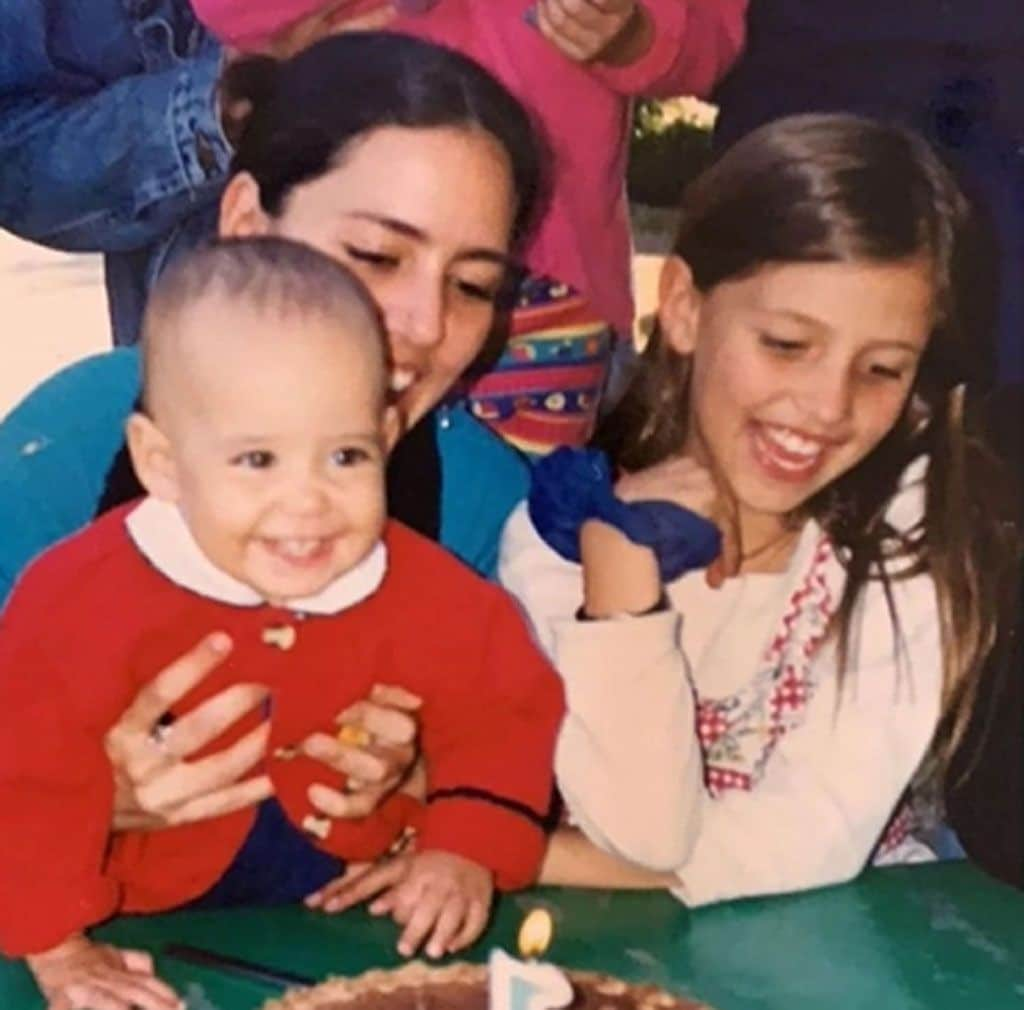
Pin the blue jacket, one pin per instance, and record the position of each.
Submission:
(57, 445)
(110, 138)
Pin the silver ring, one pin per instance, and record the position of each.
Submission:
(159, 734)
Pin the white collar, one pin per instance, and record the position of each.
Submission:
(161, 534)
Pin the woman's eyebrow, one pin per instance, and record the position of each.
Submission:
(407, 230)
(391, 223)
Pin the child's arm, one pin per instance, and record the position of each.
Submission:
(828, 788)
(572, 860)
(628, 761)
(657, 48)
(81, 974)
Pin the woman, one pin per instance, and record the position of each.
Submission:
(383, 182)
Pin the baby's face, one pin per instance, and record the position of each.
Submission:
(278, 438)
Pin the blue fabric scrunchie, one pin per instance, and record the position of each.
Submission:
(571, 486)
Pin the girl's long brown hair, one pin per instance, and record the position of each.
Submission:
(826, 188)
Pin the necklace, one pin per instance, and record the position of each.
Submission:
(783, 538)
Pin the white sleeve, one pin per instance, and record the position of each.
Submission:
(628, 760)
(832, 784)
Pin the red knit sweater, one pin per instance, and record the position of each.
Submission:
(91, 621)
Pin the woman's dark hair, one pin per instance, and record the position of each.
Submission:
(828, 188)
(289, 121)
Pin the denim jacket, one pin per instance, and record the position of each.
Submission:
(110, 139)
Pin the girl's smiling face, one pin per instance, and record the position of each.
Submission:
(799, 370)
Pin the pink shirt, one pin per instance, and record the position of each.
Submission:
(583, 112)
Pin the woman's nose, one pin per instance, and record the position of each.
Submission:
(415, 315)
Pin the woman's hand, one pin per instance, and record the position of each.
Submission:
(82, 975)
(375, 749)
(158, 786)
(155, 785)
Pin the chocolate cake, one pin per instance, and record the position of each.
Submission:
(418, 986)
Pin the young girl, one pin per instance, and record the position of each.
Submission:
(575, 65)
(757, 725)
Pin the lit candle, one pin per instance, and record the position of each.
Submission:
(528, 985)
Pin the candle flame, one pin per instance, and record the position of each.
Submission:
(535, 933)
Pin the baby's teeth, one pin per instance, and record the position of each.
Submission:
(401, 380)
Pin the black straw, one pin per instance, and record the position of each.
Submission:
(234, 965)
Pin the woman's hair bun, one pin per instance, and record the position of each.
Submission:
(246, 85)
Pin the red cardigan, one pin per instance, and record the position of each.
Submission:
(91, 621)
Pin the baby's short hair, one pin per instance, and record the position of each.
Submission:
(269, 274)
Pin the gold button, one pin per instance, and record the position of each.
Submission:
(280, 636)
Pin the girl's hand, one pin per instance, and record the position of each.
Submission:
(614, 31)
(680, 480)
(82, 975)
(684, 481)
(377, 758)
(431, 893)
(156, 786)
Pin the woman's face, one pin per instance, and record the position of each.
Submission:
(798, 371)
(423, 216)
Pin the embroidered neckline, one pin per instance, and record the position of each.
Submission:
(738, 733)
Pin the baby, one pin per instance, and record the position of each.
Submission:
(262, 443)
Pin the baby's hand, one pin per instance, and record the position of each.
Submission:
(431, 893)
(583, 29)
(82, 975)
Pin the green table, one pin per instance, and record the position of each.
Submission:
(933, 937)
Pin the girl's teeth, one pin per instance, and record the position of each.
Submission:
(786, 464)
(794, 443)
